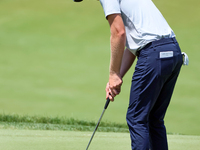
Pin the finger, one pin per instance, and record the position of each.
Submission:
(115, 92)
(111, 98)
(107, 90)
(115, 89)
(107, 94)
(110, 95)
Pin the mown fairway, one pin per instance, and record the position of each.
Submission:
(54, 58)
(57, 140)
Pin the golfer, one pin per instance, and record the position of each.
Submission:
(138, 29)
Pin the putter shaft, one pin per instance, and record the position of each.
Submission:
(105, 107)
(95, 129)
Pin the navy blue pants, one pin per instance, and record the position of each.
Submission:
(153, 82)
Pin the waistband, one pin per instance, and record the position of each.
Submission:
(162, 41)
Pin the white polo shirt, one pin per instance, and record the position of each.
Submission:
(142, 20)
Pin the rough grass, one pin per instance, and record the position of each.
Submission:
(56, 123)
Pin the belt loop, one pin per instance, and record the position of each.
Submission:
(174, 40)
(153, 45)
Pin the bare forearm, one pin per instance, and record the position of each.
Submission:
(127, 61)
(117, 43)
(117, 50)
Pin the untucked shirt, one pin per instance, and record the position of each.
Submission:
(142, 20)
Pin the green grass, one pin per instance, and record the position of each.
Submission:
(54, 58)
(68, 140)
(57, 123)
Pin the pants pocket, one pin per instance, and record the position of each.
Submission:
(165, 66)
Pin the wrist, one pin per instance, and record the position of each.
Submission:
(114, 73)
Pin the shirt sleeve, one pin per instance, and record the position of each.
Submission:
(110, 7)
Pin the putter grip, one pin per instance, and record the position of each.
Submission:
(107, 103)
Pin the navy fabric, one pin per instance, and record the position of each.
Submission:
(152, 86)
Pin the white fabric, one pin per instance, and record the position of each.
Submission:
(185, 59)
(110, 7)
(166, 54)
(143, 21)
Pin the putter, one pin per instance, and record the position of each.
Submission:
(105, 107)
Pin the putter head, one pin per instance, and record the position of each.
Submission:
(78, 0)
